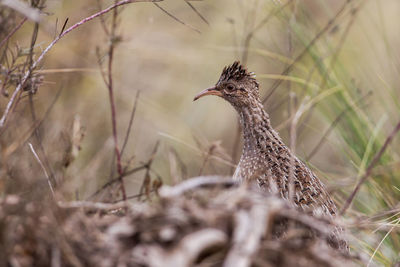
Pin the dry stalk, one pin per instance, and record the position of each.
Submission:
(17, 92)
(112, 42)
(368, 171)
(146, 181)
(335, 56)
(117, 179)
(177, 19)
(197, 12)
(333, 125)
(43, 168)
(209, 154)
(327, 26)
(129, 128)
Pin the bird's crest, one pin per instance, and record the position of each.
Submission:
(235, 72)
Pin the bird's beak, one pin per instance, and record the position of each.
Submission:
(209, 91)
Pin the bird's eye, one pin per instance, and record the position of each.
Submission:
(230, 87)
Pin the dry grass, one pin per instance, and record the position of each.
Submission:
(73, 126)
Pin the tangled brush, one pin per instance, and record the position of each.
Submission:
(204, 221)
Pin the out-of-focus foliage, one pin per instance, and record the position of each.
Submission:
(343, 74)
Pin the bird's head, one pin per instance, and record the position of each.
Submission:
(236, 85)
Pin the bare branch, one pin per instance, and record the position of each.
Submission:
(175, 18)
(197, 12)
(18, 89)
(128, 131)
(146, 180)
(196, 182)
(64, 25)
(109, 85)
(116, 179)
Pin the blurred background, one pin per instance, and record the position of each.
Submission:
(333, 64)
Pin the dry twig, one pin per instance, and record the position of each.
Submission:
(43, 168)
(177, 19)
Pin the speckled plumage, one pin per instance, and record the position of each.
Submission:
(265, 158)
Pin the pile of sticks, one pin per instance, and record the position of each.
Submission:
(204, 221)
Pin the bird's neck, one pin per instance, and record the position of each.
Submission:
(257, 130)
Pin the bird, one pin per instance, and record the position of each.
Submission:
(265, 159)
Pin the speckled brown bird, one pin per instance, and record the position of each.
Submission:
(265, 158)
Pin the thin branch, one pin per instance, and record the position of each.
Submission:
(12, 32)
(43, 168)
(133, 196)
(38, 138)
(128, 131)
(37, 124)
(210, 151)
(64, 25)
(374, 161)
(29, 133)
(117, 179)
(146, 180)
(19, 87)
(32, 107)
(112, 101)
(99, 61)
(197, 12)
(175, 18)
(279, 104)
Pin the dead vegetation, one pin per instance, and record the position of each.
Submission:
(204, 221)
(56, 145)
